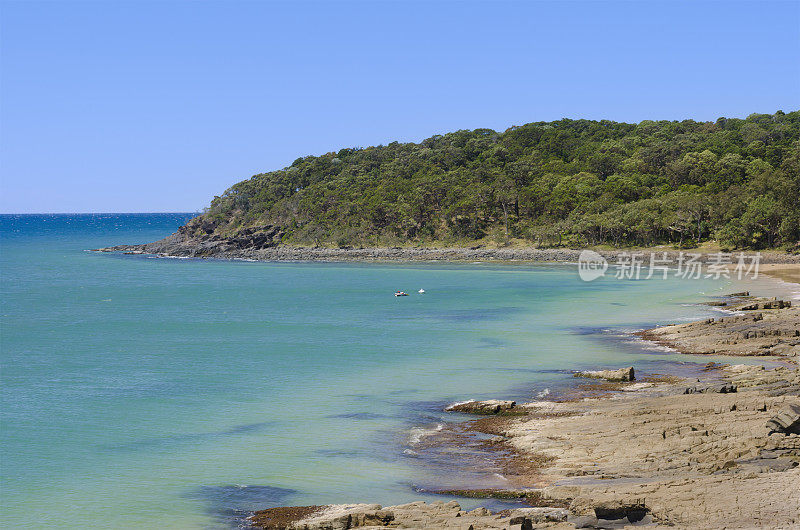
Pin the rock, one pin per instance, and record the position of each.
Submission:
(373, 518)
(338, 517)
(282, 517)
(561, 492)
(491, 406)
(623, 374)
(742, 368)
(538, 515)
(722, 388)
(786, 350)
(610, 509)
(583, 521)
(786, 421)
(770, 304)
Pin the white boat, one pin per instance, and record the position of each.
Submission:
(400, 293)
(421, 291)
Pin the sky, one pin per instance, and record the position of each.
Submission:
(157, 106)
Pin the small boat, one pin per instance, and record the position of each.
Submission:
(421, 291)
(400, 293)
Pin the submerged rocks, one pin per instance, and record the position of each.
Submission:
(621, 375)
(786, 421)
(490, 406)
(332, 517)
(282, 517)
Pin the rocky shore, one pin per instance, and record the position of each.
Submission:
(263, 245)
(292, 253)
(757, 327)
(719, 450)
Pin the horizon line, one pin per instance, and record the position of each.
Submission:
(94, 213)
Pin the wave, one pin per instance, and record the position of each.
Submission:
(417, 434)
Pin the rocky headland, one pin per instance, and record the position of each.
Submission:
(195, 240)
(721, 450)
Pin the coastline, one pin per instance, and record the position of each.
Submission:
(663, 450)
(179, 246)
(787, 273)
(753, 327)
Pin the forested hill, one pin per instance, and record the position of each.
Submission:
(576, 182)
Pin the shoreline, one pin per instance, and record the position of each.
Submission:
(789, 274)
(668, 451)
(752, 327)
(173, 247)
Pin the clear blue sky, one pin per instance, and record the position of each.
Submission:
(159, 106)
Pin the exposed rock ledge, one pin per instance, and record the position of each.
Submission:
(491, 406)
(622, 374)
(413, 515)
(759, 326)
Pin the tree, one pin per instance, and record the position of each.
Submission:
(763, 220)
(550, 182)
(506, 193)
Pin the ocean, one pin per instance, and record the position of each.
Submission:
(143, 392)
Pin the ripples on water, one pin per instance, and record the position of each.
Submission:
(184, 393)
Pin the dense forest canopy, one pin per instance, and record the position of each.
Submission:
(576, 182)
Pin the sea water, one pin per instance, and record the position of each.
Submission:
(142, 392)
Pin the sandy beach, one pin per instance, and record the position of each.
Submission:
(786, 272)
(721, 449)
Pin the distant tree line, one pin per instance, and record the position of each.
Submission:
(575, 182)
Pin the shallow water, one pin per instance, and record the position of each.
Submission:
(146, 392)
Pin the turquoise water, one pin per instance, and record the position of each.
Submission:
(167, 393)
